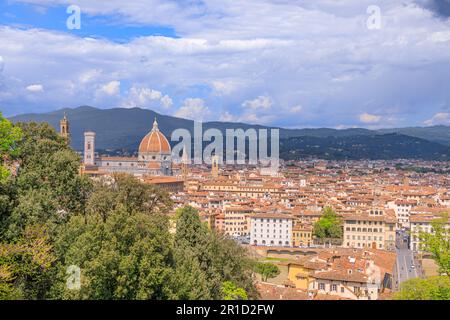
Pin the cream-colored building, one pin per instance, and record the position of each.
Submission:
(422, 223)
(302, 235)
(371, 229)
(236, 221)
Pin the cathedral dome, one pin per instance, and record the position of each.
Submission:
(154, 142)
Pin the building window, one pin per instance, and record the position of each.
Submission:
(321, 286)
(333, 287)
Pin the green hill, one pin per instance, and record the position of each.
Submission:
(122, 129)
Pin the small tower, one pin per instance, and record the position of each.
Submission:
(64, 130)
(215, 166)
(89, 148)
(184, 164)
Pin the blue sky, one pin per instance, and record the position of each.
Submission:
(289, 63)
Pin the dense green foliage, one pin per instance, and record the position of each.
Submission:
(266, 270)
(373, 147)
(231, 292)
(433, 288)
(204, 260)
(329, 226)
(9, 137)
(438, 243)
(114, 231)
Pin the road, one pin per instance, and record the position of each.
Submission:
(407, 267)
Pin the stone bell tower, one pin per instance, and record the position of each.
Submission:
(215, 166)
(64, 130)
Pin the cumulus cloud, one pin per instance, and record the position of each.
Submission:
(442, 36)
(224, 87)
(146, 98)
(111, 88)
(35, 88)
(440, 118)
(262, 102)
(166, 101)
(194, 109)
(369, 118)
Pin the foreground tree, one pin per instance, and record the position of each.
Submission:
(231, 292)
(26, 265)
(49, 187)
(215, 258)
(126, 257)
(10, 135)
(433, 288)
(438, 243)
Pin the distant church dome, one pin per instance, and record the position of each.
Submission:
(154, 142)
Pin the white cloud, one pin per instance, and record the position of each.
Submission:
(111, 88)
(255, 118)
(438, 118)
(369, 118)
(262, 102)
(296, 109)
(194, 109)
(224, 87)
(2, 64)
(227, 117)
(166, 101)
(442, 36)
(35, 88)
(144, 97)
(90, 75)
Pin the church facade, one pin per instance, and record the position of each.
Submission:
(154, 157)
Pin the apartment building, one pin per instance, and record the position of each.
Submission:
(422, 223)
(302, 235)
(245, 190)
(236, 222)
(271, 229)
(370, 229)
(402, 209)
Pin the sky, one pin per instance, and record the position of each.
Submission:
(288, 63)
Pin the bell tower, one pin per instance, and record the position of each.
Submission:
(215, 166)
(64, 130)
(89, 148)
(184, 164)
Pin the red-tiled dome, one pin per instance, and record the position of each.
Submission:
(154, 142)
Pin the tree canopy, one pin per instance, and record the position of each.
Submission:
(329, 225)
(266, 270)
(438, 243)
(433, 288)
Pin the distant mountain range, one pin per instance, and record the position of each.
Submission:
(122, 129)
